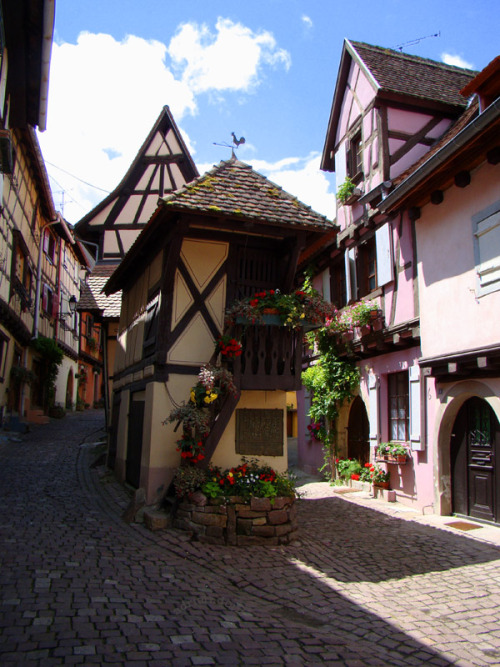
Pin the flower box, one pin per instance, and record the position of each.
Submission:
(381, 485)
(400, 459)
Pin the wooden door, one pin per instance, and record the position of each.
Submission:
(358, 439)
(475, 450)
(134, 441)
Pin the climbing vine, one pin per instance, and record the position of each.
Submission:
(331, 380)
(51, 358)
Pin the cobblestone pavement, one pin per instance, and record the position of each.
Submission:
(362, 586)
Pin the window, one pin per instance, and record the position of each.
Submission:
(48, 301)
(151, 324)
(367, 267)
(49, 245)
(486, 228)
(355, 157)
(21, 276)
(398, 406)
(338, 288)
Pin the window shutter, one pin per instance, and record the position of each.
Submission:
(350, 274)
(340, 165)
(373, 407)
(44, 298)
(55, 307)
(325, 278)
(414, 400)
(46, 242)
(385, 269)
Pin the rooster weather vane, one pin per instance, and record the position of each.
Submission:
(236, 143)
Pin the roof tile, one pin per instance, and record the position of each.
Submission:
(406, 74)
(234, 189)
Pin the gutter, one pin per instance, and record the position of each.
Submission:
(49, 10)
(459, 141)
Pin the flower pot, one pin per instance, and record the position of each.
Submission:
(381, 485)
(398, 458)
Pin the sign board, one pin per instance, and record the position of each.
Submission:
(259, 432)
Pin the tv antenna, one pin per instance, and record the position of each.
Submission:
(400, 47)
(236, 143)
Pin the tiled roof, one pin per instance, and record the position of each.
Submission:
(406, 74)
(93, 298)
(233, 189)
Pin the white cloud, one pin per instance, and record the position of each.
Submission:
(231, 59)
(303, 178)
(106, 94)
(307, 21)
(455, 60)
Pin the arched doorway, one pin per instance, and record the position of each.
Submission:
(474, 452)
(69, 390)
(358, 432)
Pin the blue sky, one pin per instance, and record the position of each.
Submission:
(265, 69)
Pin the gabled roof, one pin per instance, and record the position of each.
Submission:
(162, 165)
(402, 73)
(399, 78)
(231, 195)
(234, 189)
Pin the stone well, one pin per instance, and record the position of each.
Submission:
(237, 521)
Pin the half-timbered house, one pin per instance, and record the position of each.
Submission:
(389, 109)
(162, 165)
(30, 230)
(224, 236)
(454, 197)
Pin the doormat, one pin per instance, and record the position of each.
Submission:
(463, 525)
(346, 490)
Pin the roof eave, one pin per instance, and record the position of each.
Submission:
(349, 54)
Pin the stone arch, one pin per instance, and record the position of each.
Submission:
(69, 389)
(451, 403)
(358, 431)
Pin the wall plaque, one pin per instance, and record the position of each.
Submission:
(259, 432)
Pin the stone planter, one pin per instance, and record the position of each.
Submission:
(238, 522)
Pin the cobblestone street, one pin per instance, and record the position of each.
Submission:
(363, 586)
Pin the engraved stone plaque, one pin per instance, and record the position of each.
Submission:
(259, 432)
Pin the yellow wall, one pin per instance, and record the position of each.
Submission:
(225, 455)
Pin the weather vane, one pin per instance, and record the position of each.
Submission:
(236, 143)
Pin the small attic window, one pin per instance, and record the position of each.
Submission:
(355, 157)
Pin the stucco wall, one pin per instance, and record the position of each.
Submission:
(452, 317)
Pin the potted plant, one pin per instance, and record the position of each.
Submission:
(293, 310)
(379, 476)
(228, 347)
(348, 192)
(392, 452)
(348, 467)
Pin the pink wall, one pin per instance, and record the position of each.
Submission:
(453, 318)
(413, 481)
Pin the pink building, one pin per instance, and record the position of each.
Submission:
(454, 197)
(389, 113)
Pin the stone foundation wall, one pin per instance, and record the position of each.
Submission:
(238, 522)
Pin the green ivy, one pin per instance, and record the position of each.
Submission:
(331, 381)
(52, 357)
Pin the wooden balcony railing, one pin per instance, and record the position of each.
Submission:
(271, 358)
